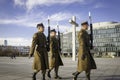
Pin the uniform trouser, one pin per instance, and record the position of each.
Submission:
(87, 72)
(55, 69)
(43, 72)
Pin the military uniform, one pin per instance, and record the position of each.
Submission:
(55, 59)
(84, 51)
(85, 59)
(38, 48)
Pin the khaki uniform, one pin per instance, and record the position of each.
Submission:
(55, 59)
(38, 48)
(88, 63)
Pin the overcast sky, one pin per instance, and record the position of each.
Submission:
(18, 18)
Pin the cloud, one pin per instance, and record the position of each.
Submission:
(10, 21)
(61, 16)
(24, 22)
(19, 2)
(98, 5)
(62, 28)
(16, 41)
(30, 4)
(30, 20)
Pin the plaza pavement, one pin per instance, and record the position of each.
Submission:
(21, 69)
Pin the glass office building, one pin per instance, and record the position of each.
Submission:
(66, 42)
(106, 39)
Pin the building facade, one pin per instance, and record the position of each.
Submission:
(66, 42)
(106, 39)
(19, 50)
(5, 43)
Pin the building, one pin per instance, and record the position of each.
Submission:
(66, 42)
(5, 43)
(21, 50)
(106, 39)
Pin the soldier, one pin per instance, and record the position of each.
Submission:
(38, 48)
(55, 59)
(85, 60)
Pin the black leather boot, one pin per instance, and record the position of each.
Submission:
(34, 76)
(88, 77)
(75, 75)
(58, 77)
(43, 77)
(48, 74)
(74, 78)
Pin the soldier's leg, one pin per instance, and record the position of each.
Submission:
(88, 74)
(56, 73)
(34, 74)
(48, 74)
(43, 74)
(75, 74)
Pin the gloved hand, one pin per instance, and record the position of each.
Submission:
(83, 57)
(29, 56)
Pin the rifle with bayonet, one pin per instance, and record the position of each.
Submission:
(48, 37)
(59, 39)
(91, 32)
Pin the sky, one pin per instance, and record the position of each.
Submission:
(18, 18)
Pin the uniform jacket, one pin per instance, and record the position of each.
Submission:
(55, 59)
(38, 48)
(84, 50)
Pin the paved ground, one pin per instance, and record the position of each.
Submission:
(20, 69)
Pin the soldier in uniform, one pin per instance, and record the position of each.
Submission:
(38, 48)
(55, 59)
(85, 59)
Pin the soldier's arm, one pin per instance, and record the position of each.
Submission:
(34, 42)
(52, 47)
(81, 39)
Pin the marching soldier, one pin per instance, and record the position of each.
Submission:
(38, 48)
(55, 59)
(85, 59)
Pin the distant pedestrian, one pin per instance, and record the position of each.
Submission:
(13, 56)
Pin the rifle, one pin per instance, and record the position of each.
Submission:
(91, 31)
(48, 38)
(59, 40)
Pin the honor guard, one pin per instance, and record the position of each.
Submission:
(38, 49)
(55, 59)
(85, 59)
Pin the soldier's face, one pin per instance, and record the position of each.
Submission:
(52, 34)
(85, 27)
(41, 29)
